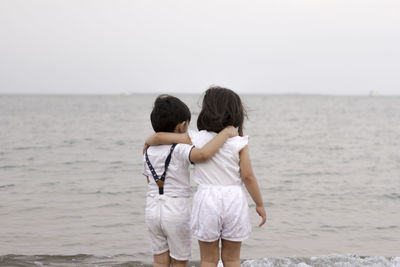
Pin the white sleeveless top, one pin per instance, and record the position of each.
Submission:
(223, 167)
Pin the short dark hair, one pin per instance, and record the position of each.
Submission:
(221, 107)
(168, 111)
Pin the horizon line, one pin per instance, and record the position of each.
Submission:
(371, 94)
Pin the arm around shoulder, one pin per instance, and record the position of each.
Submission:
(209, 150)
(163, 138)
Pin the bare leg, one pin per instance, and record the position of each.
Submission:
(209, 253)
(176, 263)
(230, 253)
(162, 260)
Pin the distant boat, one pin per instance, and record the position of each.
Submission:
(373, 93)
(127, 93)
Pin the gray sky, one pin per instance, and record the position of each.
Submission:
(250, 46)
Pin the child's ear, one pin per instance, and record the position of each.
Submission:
(181, 127)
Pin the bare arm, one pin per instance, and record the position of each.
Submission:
(163, 138)
(250, 181)
(196, 155)
(207, 151)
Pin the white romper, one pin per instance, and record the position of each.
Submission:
(220, 208)
(168, 215)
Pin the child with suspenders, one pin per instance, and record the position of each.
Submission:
(168, 197)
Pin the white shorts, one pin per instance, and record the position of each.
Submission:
(220, 212)
(168, 225)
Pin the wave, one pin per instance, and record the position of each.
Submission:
(6, 185)
(129, 260)
(392, 195)
(12, 166)
(32, 147)
(79, 162)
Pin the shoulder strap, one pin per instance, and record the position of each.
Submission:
(160, 180)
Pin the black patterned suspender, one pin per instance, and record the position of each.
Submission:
(160, 180)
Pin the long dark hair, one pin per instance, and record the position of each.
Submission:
(221, 107)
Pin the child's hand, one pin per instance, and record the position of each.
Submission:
(231, 131)
(261, 211)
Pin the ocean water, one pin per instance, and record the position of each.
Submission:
(72, 193)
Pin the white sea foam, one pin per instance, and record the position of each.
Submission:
(322, 261)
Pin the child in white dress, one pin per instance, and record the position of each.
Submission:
(220, 209)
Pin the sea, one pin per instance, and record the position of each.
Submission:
(72, 191)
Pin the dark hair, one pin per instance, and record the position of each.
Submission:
(221, 107)
(168, 111)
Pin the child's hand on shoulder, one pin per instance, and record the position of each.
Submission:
(231, 131)
(261, 211)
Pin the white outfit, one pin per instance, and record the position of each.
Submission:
(168, 215)
(223, 167)
(168, 225)
(220, 208)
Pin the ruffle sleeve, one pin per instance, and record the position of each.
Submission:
(193, 137)
(241, 142)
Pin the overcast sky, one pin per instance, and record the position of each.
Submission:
(253, 46)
